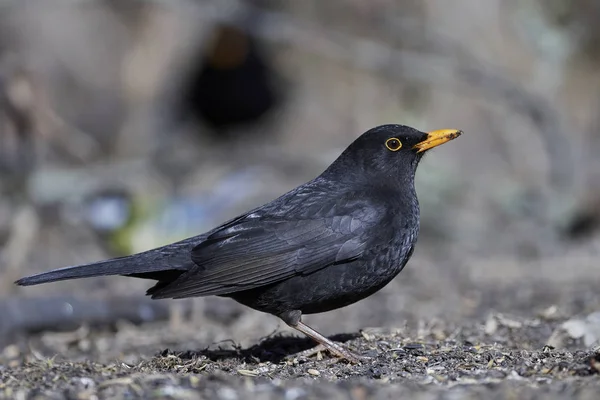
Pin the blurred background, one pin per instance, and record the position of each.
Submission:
(125, 125)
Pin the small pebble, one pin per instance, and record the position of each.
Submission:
(313, 372)
(11, 351)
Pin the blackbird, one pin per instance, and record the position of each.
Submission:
(234, 83)
(328, 243)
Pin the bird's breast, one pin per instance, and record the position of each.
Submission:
(389, 258)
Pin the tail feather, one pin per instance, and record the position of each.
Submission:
(173, 257)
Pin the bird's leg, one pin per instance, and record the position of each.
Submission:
(333, 347)
(293, 319)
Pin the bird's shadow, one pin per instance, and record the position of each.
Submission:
(274, 349)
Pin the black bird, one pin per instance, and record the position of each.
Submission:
(233, 85)
(324, 245)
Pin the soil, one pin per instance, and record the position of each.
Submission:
(489, 355)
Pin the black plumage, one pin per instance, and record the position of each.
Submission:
(326, 244)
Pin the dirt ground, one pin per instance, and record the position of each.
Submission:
(447, 362)
(508, 340)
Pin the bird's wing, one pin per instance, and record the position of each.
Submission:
(263, 248)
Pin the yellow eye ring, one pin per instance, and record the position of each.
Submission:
(393, 144)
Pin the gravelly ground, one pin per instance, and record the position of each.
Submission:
(499, 356)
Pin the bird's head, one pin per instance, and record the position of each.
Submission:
(389, 151)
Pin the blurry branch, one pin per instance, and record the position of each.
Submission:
(31, 119)
(71, 143)
(22, 237)
(17, 116)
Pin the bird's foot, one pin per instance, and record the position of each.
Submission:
(345, 354)
(340, 353)
(315, 351)
(327, 344)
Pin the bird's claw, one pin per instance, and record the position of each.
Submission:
(340, 353)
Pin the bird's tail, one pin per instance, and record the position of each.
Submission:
(151, 264)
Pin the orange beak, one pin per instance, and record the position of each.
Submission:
(435, 138)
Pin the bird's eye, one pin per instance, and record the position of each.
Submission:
(393, 144)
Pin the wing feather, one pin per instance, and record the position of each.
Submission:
(268, 247)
